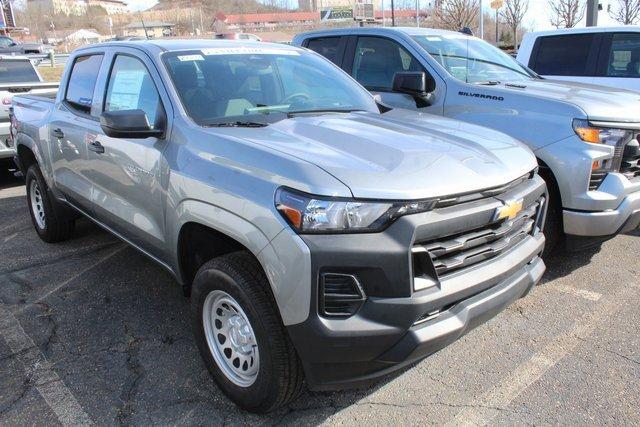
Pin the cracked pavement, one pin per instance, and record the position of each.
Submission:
(111, 328)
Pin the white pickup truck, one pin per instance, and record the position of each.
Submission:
(17, 76)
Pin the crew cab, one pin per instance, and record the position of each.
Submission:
(318, 238)
(584, 136)
(608, 56)
(17, 76)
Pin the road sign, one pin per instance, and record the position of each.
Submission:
(336, 13)
(364, 10)
(496, 4)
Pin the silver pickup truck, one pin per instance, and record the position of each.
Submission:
(584, 136)
(318, 238)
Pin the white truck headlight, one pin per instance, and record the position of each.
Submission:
(316, 214)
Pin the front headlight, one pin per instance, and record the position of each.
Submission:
(616, 138)
(314, 214)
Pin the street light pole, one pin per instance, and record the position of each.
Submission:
(592, 13)
(393, 14)
(481, 20)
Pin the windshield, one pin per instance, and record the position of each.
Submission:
(473, 60)
(17, 72)
(260, 85)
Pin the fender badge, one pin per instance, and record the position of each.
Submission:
(510, 210)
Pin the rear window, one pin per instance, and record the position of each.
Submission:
(327, 47)
(82, 82)
(563, 55)
(17, 72)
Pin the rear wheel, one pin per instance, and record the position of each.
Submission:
(50, 225)
(240, 335)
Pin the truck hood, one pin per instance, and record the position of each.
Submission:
(400, 155)
(598, 102)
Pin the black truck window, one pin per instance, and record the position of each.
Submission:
(566, 55)
(82, 82)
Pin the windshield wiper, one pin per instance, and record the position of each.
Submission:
(489, 83)
(237, 124)
(294, 113)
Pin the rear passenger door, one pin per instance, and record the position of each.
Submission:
(570, 57)
(68, 129)
(126, 174)
(619, 63)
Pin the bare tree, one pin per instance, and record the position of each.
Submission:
(626, 12)
(513, 13)
(565, 13)
(456, 14)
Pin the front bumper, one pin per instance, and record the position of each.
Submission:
(624, 216)
(395, 325)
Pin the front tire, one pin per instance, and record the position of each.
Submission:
(240, 335)
(50, 225)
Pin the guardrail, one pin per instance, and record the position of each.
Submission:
(49, 60)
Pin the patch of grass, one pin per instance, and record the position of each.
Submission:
(51, 74)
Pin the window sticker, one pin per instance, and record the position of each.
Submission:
(125, 92)
(187, 58)
(248, 51)
(433, 39)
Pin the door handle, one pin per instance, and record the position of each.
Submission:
(57, 133)
(96, 147)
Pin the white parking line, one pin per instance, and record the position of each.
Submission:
(487, 406)
(61, 401)
(582, 293)
(13, 236)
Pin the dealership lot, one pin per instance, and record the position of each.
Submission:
(92, 331)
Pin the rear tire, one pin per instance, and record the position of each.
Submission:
(240, 335)
(50, 224)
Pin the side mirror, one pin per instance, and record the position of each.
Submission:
(128, 124)
(418, 84)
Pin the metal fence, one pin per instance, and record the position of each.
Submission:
(44, 60)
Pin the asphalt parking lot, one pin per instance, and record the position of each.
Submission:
(93, 332)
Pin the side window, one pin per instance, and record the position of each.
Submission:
(131, 87)
(563, 55)
(82, 82)
(377, 61)
(5, 42)
(327, 47)
(624, 55)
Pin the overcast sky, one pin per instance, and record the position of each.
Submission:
(537, 18)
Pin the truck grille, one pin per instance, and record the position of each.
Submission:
(470, 247)
(630, 166)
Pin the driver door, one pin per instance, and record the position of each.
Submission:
(374, 63)
(127, 173)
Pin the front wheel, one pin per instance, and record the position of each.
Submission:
(50, 225)
(240, 336)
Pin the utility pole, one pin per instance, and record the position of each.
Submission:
(418, 13)
(144, 27)
(393, 14)
(481, 26)
(592, 13)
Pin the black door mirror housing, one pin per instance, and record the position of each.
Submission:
(128, 124)
(418, 84)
